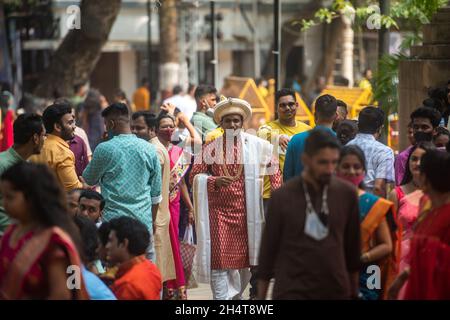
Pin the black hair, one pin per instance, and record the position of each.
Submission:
(92, 103)
(355, 151)
(429, 113)
(89, 238)
(438, 93)
(425, 145)
(53, 114)
(150, 118)
(285, 92)
(341, 103)
(440, 131)
(103, 232)
(5, 86)
(204, 89)
(435, 164)
(144, 81)
(94, 195)
(71, 192)
(78, 86)
(116, 110)
(326, 106)
(46, 198)
(177, 90)
(346, 125)
(370, 120)
(25, 126)
(431, 103)
(133, 230)
(121, 94)
(163, 115)
(320, 139)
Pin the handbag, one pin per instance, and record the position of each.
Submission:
(187, 251)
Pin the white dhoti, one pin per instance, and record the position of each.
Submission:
(229, 284)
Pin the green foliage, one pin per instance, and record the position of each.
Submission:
(404, 15)
(386, 79)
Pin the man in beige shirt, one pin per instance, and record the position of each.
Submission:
(143, 125)
(60, 126)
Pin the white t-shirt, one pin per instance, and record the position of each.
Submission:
(185, 103)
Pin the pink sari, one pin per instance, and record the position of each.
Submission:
(408, 211)
(7, 135)
(177, 172)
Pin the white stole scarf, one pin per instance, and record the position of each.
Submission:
(257, 154)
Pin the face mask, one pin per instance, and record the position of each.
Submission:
(421, 136)
(356, 181)
(166, 134)
(209, 111)
(314, 227)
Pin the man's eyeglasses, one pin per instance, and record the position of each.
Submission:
(291, 105)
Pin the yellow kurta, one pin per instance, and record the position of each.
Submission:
(163, 247)
(270, 132)
(57, 155)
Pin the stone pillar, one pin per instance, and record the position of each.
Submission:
(347, 51)
(429, 66)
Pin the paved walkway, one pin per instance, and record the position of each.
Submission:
(203, 292)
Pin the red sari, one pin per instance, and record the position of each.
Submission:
(23, 266)
(430, 257)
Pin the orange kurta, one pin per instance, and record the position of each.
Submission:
(137, 279)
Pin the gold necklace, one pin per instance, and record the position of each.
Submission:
(237, 176)
(227, 173)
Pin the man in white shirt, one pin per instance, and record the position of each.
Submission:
(182, 101)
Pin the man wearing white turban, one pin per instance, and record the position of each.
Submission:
(228, 182)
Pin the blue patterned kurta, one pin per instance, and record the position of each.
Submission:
(128, 171)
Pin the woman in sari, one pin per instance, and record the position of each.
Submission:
(428, 274)
(179, 165)
(377, 243)
(38, 250)
(406, 198)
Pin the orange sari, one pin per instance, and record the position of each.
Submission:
(22, 267)
(373, 210)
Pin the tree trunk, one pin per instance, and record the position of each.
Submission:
(169, 50)
(80, 50)
(289, 34)
(333, 34)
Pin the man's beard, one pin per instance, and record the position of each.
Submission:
(67, 134)
(324, 179)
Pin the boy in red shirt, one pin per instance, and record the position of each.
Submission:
(137, 278)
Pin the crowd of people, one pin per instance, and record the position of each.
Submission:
(100, 196)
